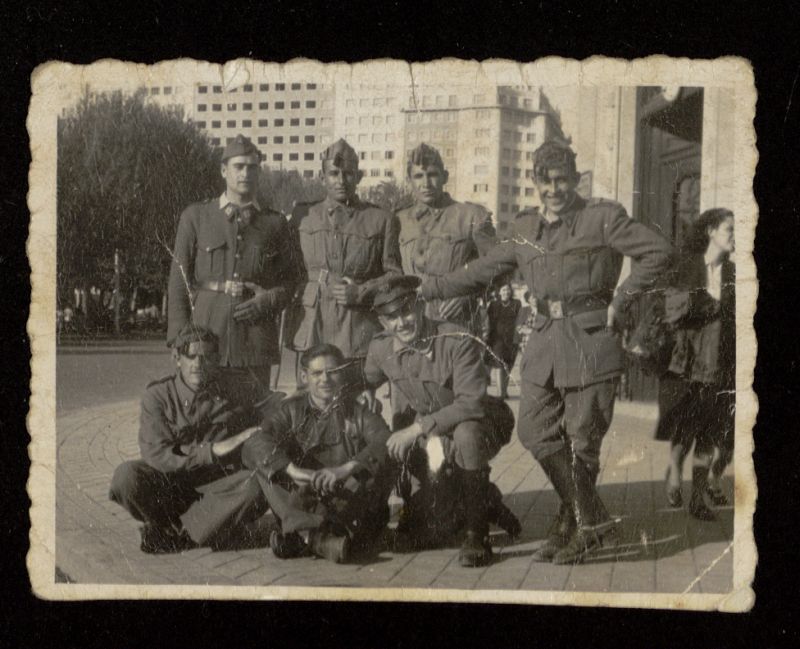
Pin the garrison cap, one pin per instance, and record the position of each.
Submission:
(240, 146)
(425, 155)
(394, 294)
(340, 153)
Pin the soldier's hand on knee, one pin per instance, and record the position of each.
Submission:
(400, 443)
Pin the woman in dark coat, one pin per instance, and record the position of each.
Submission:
(697, 395)
(502, 328)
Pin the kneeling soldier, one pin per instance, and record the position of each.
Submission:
(439, 383)
(321, 463)
(189, 488)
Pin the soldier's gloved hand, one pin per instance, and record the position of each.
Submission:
(346, 292)
(248, 311)
(271, 299)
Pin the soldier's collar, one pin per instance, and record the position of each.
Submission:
(567, 216)
(332, 205)
(224, 201)
(422, 208)
(424, 342)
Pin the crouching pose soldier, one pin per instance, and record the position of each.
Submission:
(440, 409)
(321, 461)
(190, 488)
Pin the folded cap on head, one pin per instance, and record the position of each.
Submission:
(340, 154)
(192, 333)
(393, 294)
(240, 145)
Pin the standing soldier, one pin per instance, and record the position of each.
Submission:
(231, 272)
(348, 246)
(439, 235)
(570, 253)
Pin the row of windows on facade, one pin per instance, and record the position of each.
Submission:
(277, 123)
(483, 170)
(277, 139)
(262, 87)
(451, 101)
(262, 105)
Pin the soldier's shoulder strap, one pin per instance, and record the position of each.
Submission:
(165, 379)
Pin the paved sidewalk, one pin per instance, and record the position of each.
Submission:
(659, 549)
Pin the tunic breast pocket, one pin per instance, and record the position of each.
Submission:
(258, 261)
(576, 272)
(210, 262)
(364, 254)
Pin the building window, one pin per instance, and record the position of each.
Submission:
(293, 157)
(308, 156)
(263, 122)
(201, 108)
(388, 155)
(228, 140)
(277, 157)
(350, 103)
(310, 121)
(310, 104)
(279, 105)
(247, 106)
(231, 107)
(527, 103)
(155, 91)
(262, 139)
(295, 121)
(515, 208)
(517, 173)
(377, 120)
(480, 187)
(529, 173)
(214, 141)
(503, 99)
(308, 173)
(231, 123)
(280, 86)
(308, 139)
(374, 173)
(294, 139)
(363, 102)
(202, 89)
(201, 124)
(388, 173)
(294, 104)
(247, 123)
(504, 171)
(277, 123)
(263, 87)
(167, 90)
(217, 89)
(264, 105)
(216, 124)
(504, 190)
(375, 155)
(517, 155)
(531, 137)
(515, 191)
(449, 153)
(216, 107)
(311, 86)
(482, 114)
(278, 139)
(297, 86)
(506, 154)
(362, 155)
(529, 191)
(482, 150)
(248, 87)
(504, 207)
(452, 101)
(529, 155)
(362, 138)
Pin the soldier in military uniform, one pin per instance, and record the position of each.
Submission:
(439, 235)
(321, 460)
(233, 272)
(570, 253)
(439, 399)
(348, 246)
(190, 487)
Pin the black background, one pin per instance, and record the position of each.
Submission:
(766, 33)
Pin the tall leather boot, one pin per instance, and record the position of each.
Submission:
(476, 550)
(558, 534)
(593, 520)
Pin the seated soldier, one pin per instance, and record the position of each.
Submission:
(190, 488)
(438, 383)
(321, 461)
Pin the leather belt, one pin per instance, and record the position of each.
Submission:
(560, 309)
(229, 287)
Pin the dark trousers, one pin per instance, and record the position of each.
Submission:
(211, 512)
(551, 418)
(358, 509)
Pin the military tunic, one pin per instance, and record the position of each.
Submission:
(179, 478)
(572, 360)
(357, 242)
(299, 432)
(435, 240)
(215, 245)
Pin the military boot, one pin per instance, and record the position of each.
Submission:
(697, 503)
(330, 546)
(558, 535)
(594, 524)
(476, 550)
(287, 546)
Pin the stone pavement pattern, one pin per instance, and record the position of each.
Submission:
(659, 549)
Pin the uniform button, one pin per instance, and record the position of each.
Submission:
(238, 237)
(235, 275)
(238, 256)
